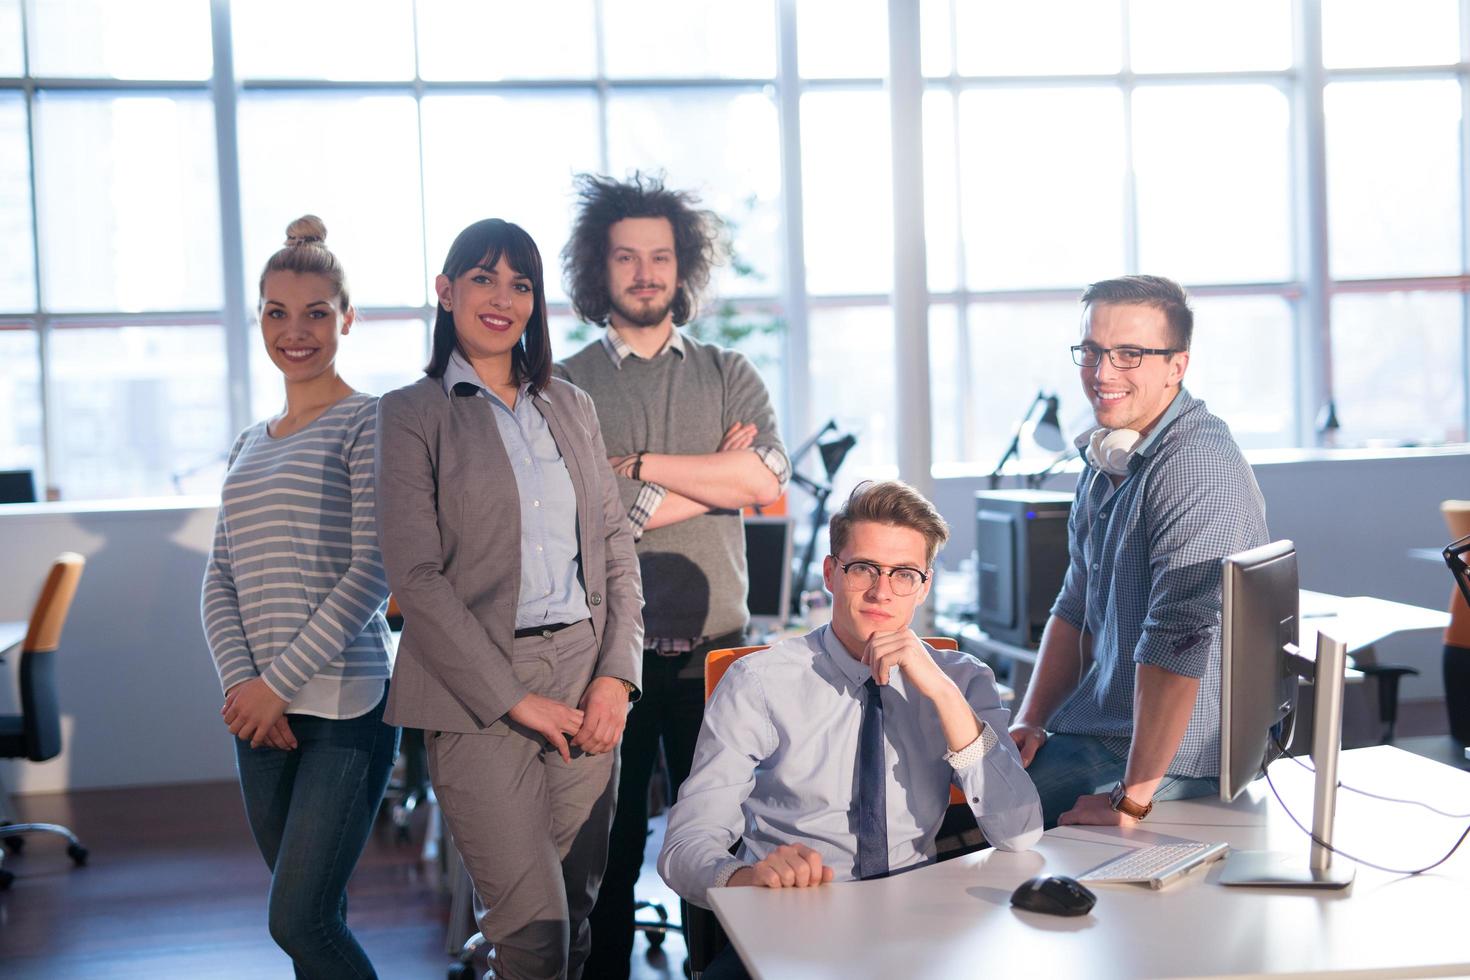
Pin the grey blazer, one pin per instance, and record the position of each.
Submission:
(449, 523)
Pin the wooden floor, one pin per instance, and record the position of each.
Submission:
(175, 888)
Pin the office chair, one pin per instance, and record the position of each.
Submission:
(704, 937)
(1387, 676)
(35, 733)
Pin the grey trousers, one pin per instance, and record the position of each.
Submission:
(532, 829)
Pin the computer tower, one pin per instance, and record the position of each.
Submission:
(1021, 552)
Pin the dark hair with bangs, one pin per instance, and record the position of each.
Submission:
(483, 244)
(601, 203)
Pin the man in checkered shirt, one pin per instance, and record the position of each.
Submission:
(693, 439)
(1124, 705)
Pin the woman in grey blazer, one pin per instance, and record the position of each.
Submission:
(507, 548)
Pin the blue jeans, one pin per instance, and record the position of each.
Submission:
(1069, 766)
(310, 812)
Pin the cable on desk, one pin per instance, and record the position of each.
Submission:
(1363, 792)
(1336, 850)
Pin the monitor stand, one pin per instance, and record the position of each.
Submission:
(1277, 870)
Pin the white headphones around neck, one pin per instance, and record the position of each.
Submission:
(1110, 450)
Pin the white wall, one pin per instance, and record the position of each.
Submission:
(142, 704)
(140, 698)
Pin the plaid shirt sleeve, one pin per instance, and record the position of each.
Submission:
(650, 495)
(775, 459)
(1204, 508)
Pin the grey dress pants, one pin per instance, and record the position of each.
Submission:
(532, 829)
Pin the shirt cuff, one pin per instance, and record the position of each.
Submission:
(974, 752)
(650, 495)
(726, 872)
(775, 460)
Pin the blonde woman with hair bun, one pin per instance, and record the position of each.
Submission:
(293, 602)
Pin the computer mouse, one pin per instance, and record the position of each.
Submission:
(1057, 895)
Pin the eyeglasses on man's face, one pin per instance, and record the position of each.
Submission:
(860, 576)
(1124, 358)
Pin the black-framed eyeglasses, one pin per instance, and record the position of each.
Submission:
(1124, 358)
(860, 576)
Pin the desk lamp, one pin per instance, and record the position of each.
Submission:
(1045, 432)
(832, 450)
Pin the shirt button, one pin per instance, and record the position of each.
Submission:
(525, 459)
(595, 598)
(539, 548)
(535, 503)
(1104, 515)
(1095, 566)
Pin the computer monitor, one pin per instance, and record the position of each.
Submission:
(1021, 558)
(768, 549)
(17, 487)
(1260, 665)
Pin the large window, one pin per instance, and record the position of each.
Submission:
(1298, 164)
(389, 121)
(1078, 141)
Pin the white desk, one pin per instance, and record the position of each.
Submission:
(1361, 621)
(11, 635)
(955, 919)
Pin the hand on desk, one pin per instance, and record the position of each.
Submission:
(604, 713)
(550, 719)
(257, 714)
(1029, 739)
(1096, 809)
(788, 866)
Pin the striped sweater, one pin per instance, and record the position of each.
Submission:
(294, 589)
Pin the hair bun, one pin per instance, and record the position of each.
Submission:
(306, 230)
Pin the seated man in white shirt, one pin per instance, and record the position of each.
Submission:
(829, 757)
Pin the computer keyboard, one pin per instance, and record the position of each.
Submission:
(1157, 864)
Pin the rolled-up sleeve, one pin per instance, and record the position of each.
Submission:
(735, 737)
(996, 787)
(1203, 508)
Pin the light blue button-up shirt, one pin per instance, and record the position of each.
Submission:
(551, 592)
(776, 763)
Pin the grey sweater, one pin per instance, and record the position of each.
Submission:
(694, 579)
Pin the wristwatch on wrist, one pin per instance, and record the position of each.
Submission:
(1120, 802)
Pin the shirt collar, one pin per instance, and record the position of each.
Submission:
(1150, 443)
(617, 348)
(853, 670)
(459, 371)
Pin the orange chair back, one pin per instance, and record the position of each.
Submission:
(43, 635)
(1457, 518)
(719, 661)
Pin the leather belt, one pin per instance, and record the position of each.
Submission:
(544, 631)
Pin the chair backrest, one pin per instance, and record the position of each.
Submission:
(719, 661)
(1457, 518)
(48, 616)
(716, 662)
(40, 704)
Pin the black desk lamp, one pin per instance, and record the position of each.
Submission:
(832, 451)
(1046, 432)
